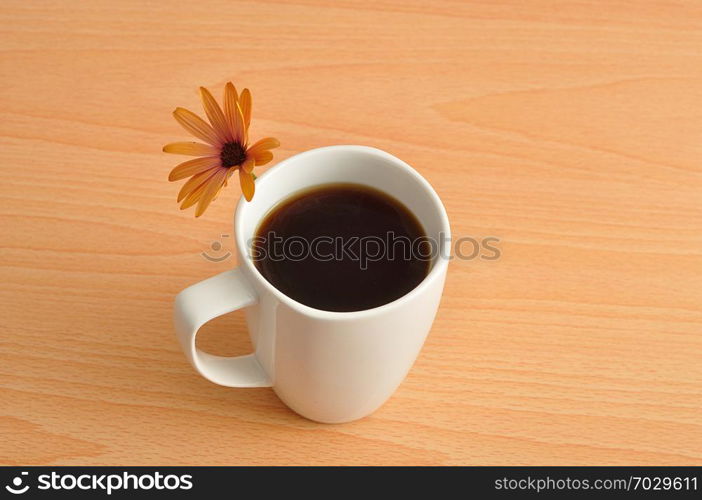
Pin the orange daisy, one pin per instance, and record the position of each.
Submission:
(225, 151)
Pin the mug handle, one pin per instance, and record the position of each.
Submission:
(206, 300)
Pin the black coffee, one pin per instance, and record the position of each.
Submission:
(342, 247)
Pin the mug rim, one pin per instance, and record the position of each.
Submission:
(435, 272)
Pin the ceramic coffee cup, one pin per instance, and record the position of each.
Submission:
(327, 366)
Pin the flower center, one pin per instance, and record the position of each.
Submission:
(232, 154)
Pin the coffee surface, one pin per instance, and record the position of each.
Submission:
(342, 247)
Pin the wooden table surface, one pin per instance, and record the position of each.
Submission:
(571, 131)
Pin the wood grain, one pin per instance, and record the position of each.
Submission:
(572, 132)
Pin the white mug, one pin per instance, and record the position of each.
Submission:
(327, 366)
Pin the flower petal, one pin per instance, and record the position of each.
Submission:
(229, 174)
(214, 184)
(248, 165)
(230, 93)
(214, 198)
(196, 126)
(263, 157)
(245, 104)
(215, 115)
(194, 182)
(191, 149)
(232, 112)
(262, 145)
(194, 196)
(247, 184)
(192, 167)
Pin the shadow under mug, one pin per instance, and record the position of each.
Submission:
(327, 366)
